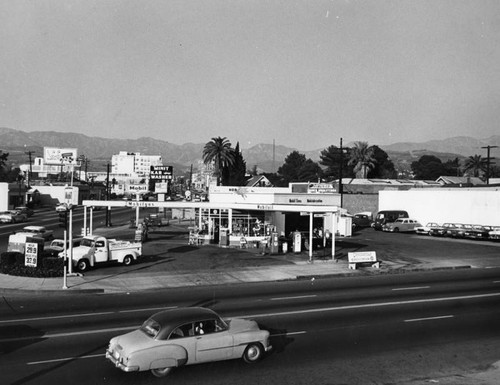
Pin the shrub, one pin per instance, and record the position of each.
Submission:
(8, 258)
(12, 263)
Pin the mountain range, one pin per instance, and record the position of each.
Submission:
(266, 157)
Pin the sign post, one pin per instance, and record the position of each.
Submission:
(65, 277)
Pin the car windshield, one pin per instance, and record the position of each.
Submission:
(151, 328)
(87, 242)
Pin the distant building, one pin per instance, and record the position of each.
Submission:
(460, 181)
(259, 181)
(134, 163)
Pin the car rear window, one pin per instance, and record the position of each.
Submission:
(151, 328)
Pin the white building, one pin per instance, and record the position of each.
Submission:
(478, 206)
(134, 163)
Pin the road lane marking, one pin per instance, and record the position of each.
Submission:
(84, 315)
(287, 334)
(64, 359)
(429, 318)
(296, 297)
(56, 317)
(370, 305)
(147, 309)
(276, 314)
(69, 334)
(411, 288)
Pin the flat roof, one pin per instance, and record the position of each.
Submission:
(211, 205)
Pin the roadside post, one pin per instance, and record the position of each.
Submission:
(65, 277)
(311, 216)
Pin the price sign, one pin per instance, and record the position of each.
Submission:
(31, 254)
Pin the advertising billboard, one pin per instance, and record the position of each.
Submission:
(56, 155)
(159, 173)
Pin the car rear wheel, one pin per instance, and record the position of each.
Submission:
(253, 353)
(127, 261)
(161, 372)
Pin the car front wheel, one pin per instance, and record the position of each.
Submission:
(82, 265)
(161, 372)
(253, 353)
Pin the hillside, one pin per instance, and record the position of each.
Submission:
(100, 150)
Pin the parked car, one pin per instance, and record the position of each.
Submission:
(457, 230)
(477, 232)
(360, 221)
(61, 207)
(58, 244)
(186, 336)
(401, 225)
(440, 231)
(155, 220)
(13, 216)
(388, 216)
(39, 231)
(494, 233)
(25, 210)
(425, 230)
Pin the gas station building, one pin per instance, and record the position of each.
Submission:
(249, 216)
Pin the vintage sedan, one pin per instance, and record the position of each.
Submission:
(186, 336)
(440, 231)
(494, 233)
(62, 207)
(478, 232)
(457, 230)
(425, 230)
(401, 225)
(39, 231)
(12, 216)
(25, 210)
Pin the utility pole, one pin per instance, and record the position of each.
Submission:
(488, 162)
(341, 190)
(107, 197)
(29, 153)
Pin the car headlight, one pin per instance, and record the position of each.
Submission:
(116, 355)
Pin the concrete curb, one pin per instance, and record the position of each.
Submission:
(360, 272)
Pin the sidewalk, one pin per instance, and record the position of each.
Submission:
(171, 263)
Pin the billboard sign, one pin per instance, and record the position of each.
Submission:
(56, 155)
(321, 188)
(161, 172)
(138, 188)
(161, 187)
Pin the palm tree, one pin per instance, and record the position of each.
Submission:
(475, 165)
(218, 151)
(362, 158)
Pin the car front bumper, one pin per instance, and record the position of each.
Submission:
(120, 365)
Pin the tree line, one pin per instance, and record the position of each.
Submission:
(360, 161)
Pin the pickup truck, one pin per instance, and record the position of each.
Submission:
(96, 249)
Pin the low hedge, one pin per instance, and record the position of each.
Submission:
(12, 263)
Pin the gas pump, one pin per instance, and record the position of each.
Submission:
(274, 243)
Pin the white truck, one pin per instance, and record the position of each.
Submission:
(96, 249)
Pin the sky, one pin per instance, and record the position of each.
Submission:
(301, 73)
